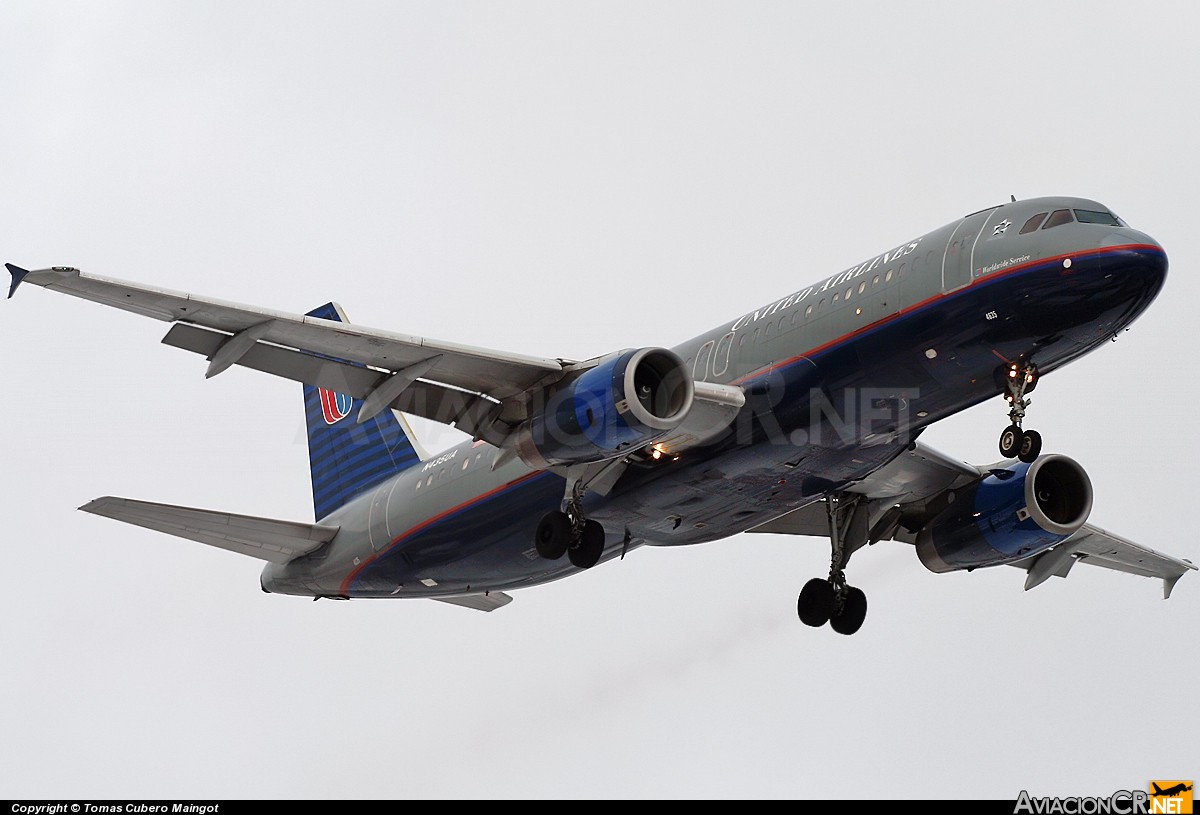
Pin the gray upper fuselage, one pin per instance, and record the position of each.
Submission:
(914, 333)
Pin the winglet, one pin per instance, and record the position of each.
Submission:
(18, 275)
(1168, 584)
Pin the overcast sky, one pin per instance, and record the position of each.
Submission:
(566, 179)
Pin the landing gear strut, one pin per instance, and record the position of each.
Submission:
(832, 600)
(1020, 379)
(568, 532)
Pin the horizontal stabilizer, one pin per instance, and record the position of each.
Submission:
(480, 602)
(262, 538)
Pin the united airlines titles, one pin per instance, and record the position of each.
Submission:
(837, 280)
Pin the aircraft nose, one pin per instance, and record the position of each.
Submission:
(1134, 253)
(1126, 236)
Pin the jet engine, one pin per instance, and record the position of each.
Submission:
(628, 400)
(1010, 514)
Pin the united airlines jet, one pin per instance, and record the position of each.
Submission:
(800, 417)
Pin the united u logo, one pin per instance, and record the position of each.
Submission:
(335, 406)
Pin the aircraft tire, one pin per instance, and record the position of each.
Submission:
(1031, 446)
(591, 546)
(553, 535)
(854, 612)
(1010, 441)
(816, 602)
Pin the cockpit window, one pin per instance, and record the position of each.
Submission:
(1058, 218)
(1091, 216)
(1033, 223)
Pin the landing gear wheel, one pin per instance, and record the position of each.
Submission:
(1010, 441)
(816, 603)
(553, 535)
(587, 553)
(854, 611)
(1031, 446)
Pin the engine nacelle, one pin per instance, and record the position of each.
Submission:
(1008, 515)
(628, 400)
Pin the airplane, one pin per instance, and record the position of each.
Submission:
(1170, 791)
(798, 417)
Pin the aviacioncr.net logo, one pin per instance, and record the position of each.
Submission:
(1163, 798)
(1121, 802)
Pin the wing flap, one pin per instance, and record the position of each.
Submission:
(263, 538)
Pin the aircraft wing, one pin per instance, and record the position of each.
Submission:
(1099, 547)
(461, 384)
(914, 486)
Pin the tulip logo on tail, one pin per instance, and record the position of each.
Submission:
(335, 406)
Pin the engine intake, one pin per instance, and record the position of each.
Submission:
(628, 400)
(1008, 515)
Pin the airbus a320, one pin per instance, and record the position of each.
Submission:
(800, 417)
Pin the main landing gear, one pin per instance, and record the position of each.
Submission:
(831, 600)
(1020, 379)
(569, 532)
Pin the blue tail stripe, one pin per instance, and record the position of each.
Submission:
(341, 455)
(346, 463)
(357, 480)
(357, 447)
(346, 458)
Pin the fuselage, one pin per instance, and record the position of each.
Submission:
(840, 376)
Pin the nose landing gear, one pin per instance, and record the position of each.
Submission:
(1015, 442)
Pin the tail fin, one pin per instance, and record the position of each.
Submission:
(346, 458)
(1157, 788)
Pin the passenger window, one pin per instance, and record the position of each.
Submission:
(1058, 218)
(875, 282)
(849, 292)
(837, 296)
(808, 311)
(888, 277)
(1033, 223)
(863, 285)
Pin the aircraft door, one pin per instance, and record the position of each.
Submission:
(958, 262)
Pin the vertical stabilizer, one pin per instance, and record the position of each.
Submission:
(347, 458)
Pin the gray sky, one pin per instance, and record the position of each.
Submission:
(566, 179)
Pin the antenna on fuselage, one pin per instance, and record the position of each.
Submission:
(1013, 197)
